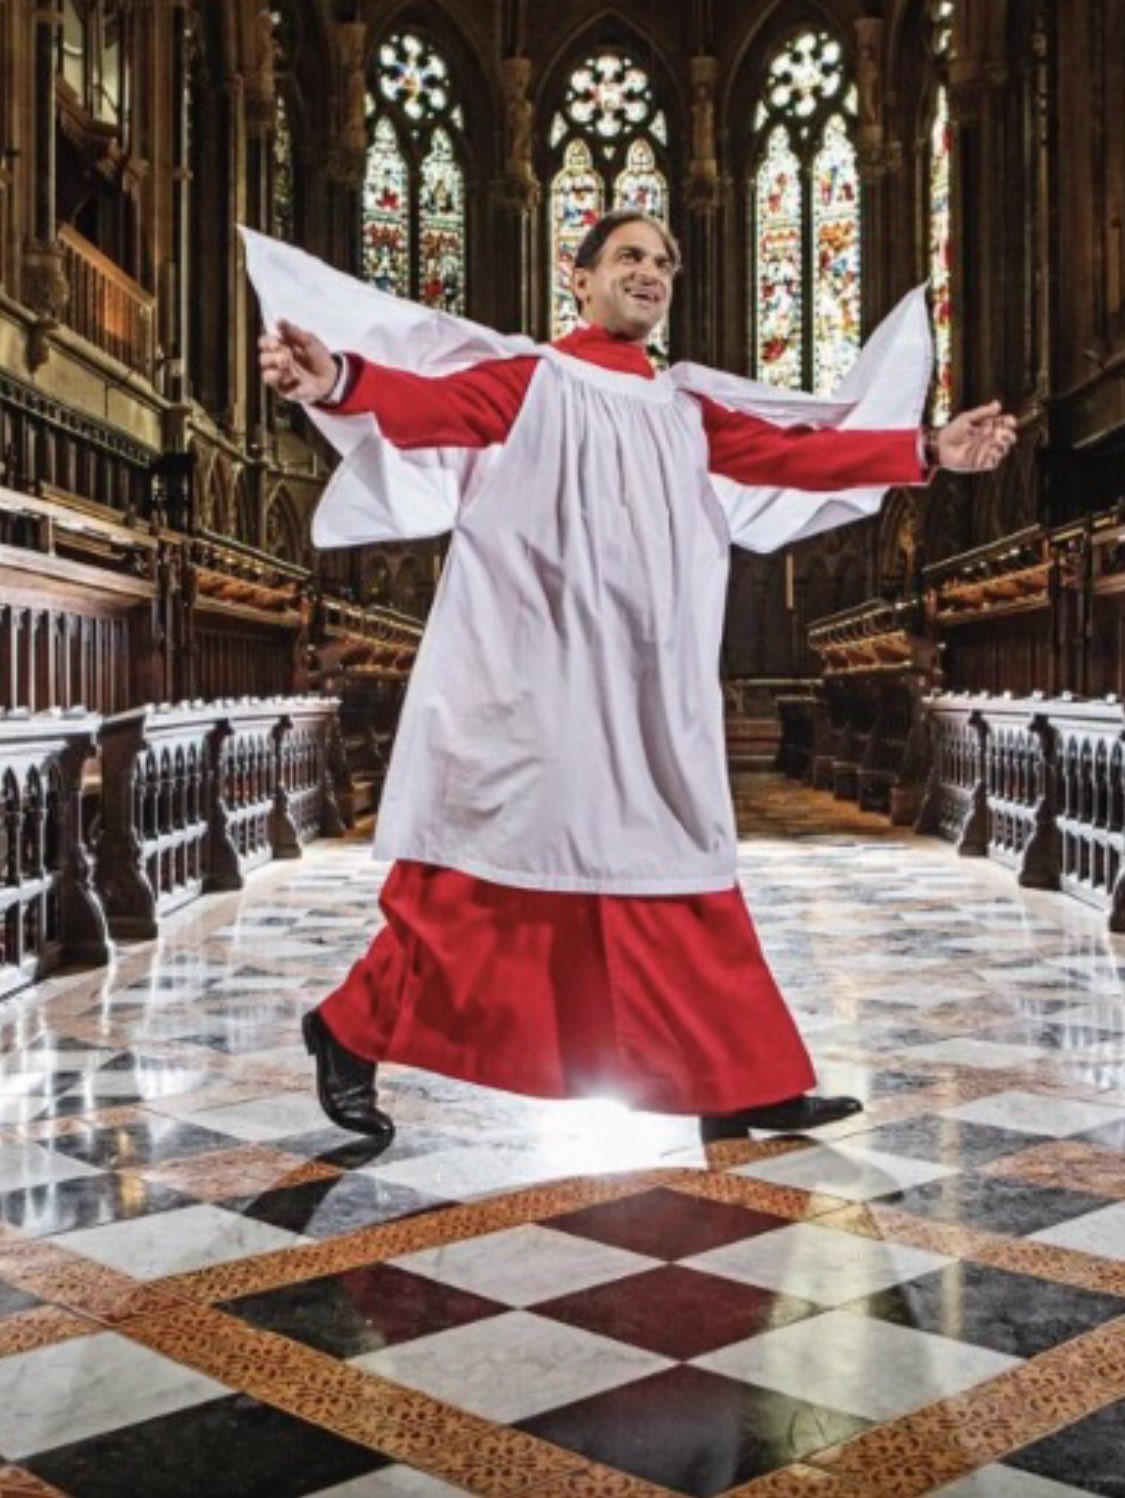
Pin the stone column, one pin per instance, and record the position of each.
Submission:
(261, 122)
(346, 162)
(704, 201)
(515, 200)
(1038, 301)
(43, 284)
(875, 158)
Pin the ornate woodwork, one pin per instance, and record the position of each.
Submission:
(49, 913)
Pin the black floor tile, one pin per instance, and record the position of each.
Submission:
(13, 1300)
(1009, 1313)
(229, 1448)
(693, 1431)
(87, 1102)
(866, 1082)
(677, 1312)
(326, 1209)
(147, 1143)
(336, 1147)
(86, 1202)
(666, 1224)
(947, 1141)
(363, 1310)
(998, 1205)
(1089, 1455)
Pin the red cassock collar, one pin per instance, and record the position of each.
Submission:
(606, 349)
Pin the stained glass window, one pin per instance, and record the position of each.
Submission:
(386, 213)
(413, 76)
(282, 196)
(804, 224)
(441, 227)
(609, 135)
(779, 281)
(941, 257)
(836, 284)
(941, 13)
(643, 185)
(414, 208)
(577, 202)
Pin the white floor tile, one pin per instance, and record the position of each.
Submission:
(1033, 1113)
(818, 1264)
(858, 1364)
(24, 1165)
(177, 1242)
(460, 1174)
(263, 1119)
(1101, 1232)
(58, 1395)
(393, 1482)
(1009, 1482)
(520, 1266)
(514, 1366)
(856, 1175)
(963, 1050)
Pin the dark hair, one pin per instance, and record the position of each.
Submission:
(589, 252)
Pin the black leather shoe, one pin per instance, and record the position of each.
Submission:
(796, 1115)
(345, 1082)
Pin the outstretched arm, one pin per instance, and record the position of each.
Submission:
(473, 408)
(752, 451)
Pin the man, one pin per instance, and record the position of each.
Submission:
(563, 916)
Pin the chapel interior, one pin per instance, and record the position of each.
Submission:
(205, 1288)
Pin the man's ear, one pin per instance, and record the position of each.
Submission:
(579, 281)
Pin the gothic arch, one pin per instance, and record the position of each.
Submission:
(766, 30)
(242, 523)
(284, 532)
(611, 30)
(473, 75)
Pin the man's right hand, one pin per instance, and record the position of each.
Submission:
(296, 364)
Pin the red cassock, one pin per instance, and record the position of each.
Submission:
(665, 1001)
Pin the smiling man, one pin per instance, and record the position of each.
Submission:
(563, 916)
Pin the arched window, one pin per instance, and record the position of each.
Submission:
(609, 138)
(281, 198)
(414, 190)
(939, 182)
(93, 58)
(283, 37)
(95, 190)
(804, 221)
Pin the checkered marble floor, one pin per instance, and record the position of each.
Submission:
(204, 1288)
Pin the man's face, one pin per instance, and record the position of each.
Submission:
(630, 289)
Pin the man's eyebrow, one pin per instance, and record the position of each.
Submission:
(639, 249)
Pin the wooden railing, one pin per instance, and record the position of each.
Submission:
(48, 911)
(1036, 783)
(106, 306)
(195, 796)
(953, 806)
(1089, 752)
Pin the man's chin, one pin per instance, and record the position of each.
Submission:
(637, 329)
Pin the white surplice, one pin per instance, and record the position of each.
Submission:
(563, 729)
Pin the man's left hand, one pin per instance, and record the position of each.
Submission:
(976, 441)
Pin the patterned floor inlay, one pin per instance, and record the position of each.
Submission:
(206, 1288)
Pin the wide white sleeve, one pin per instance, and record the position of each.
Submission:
(378, 492)
(885, 390)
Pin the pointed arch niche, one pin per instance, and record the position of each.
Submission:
(608, 140)
(804, 217)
